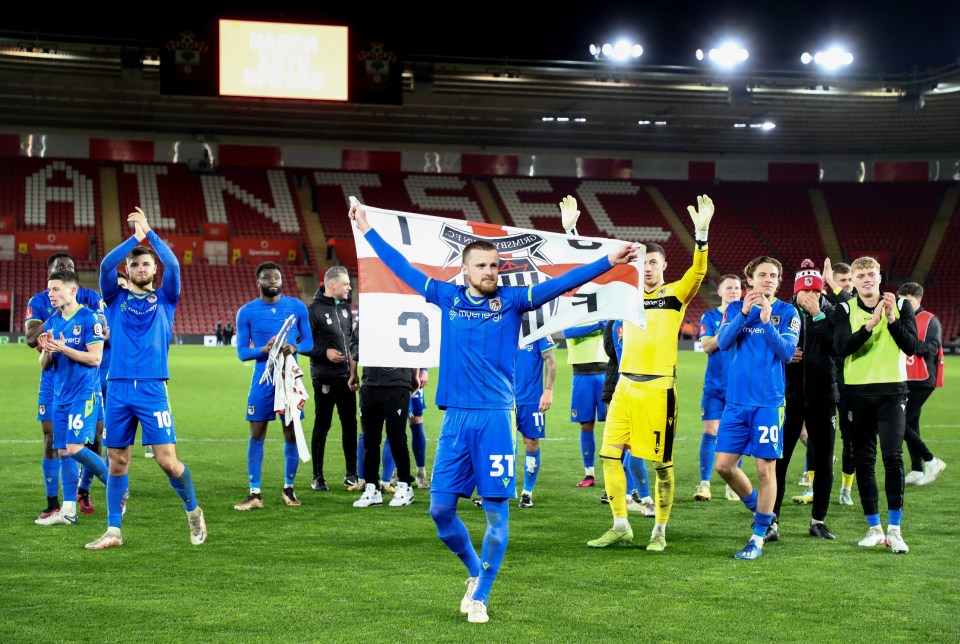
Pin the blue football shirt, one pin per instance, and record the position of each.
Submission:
(141, 324)
(72, 380)
(529, 375)
(40, 308)
(759, 353)
(715, 377)
(477, 351)
(258, 321)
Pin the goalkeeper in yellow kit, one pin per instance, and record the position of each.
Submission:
(643, 413)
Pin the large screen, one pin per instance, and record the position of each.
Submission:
(280, 60)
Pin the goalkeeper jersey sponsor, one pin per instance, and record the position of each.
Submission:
(654, 351)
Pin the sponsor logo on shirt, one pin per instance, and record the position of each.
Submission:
(478, 315)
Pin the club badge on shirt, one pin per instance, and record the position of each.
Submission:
(495, 304)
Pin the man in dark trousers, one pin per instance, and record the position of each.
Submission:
(811, 398)
(839, 281)
(875, 333)
(384, 404)
(334, 373)
(924, 373)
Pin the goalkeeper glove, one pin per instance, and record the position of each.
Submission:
(569, 214)
(701, 216)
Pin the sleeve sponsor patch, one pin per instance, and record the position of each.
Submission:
(795, 324)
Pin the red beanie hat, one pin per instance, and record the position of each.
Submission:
(808, 278)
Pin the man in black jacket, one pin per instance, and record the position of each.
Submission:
(811, 398)
(839, 281)
(334, 373)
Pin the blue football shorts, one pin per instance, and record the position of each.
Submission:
(531, 422)
(751, 431)
(139, 400)
(260, 403)
(418, 403)
(585, 402)
(711, 404)
(476, 450)
(76, 423)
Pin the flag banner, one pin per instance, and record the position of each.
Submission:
(401, 329)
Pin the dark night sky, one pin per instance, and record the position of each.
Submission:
(883, 35)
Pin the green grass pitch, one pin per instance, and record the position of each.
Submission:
(327, 572)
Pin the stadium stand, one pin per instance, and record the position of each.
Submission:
(782, 217)
(942, 286)
(216, 292)
(733, 239)
(448, 196)
(758, 218)
(53, 195)
(888, 219)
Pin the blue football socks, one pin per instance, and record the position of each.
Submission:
(184, 488)
(51, 475)
(531, 468)
(418, 442)
(494, 545)
(588, 446)
(254, 463)
(451, 530)
(93, 465)
(70, 475)
(291, 459)
(708, 449)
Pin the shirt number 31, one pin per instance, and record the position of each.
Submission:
(497, 464)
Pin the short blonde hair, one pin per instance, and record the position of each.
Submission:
(862, 263)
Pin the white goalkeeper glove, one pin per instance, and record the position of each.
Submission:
(701, 216)
(569, 214)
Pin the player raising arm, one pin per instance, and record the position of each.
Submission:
(478, 350)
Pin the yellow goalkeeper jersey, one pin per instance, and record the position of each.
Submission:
(654, 351)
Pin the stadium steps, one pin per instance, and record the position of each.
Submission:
(488, 203)
(831, 242)
(938, 231)
(312, 226)
(110, 208)
(708, 287)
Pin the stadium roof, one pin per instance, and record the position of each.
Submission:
(489, 78)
